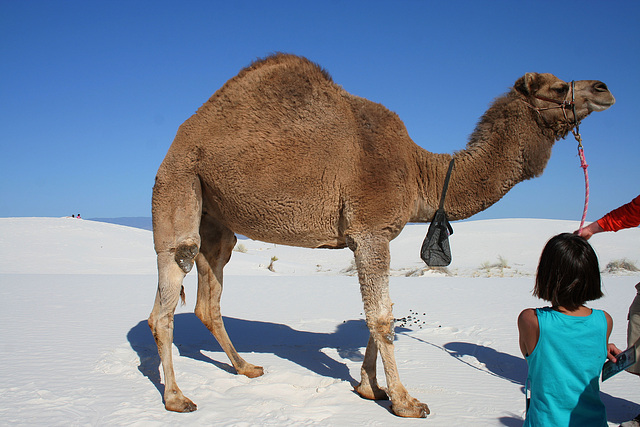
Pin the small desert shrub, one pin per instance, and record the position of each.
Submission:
(496, 267)
(620, 265)
(501, 264)
(273, 259)
(419, 272)
(442, 270)
(240, 248)
(351, 270)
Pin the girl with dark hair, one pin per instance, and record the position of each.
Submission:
(565, 345)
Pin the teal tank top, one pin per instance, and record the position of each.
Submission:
(564, 370)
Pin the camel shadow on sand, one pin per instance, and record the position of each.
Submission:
(514, 369)
(191, 338)
(304, 348)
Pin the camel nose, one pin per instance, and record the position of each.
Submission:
(600, 87)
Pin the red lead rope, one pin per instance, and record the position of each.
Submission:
(583, 165)
(583, 161)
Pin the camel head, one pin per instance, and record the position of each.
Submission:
(557, 101)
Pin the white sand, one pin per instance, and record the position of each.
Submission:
(75, 348)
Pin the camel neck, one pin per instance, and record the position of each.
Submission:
(507, 147)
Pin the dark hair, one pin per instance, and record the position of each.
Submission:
(568, 272)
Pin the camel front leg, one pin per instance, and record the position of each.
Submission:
(177, 208)
(170, 277)
(372, 261)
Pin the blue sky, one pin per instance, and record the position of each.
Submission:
(92, 92)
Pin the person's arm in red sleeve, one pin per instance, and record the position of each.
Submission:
(626, 216)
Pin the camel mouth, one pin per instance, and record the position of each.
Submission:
(600, 105)
(597, 96)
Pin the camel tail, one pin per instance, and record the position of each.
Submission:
(182, 295)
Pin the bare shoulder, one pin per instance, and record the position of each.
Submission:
(528, 330)
(528, 318)
(609, 322)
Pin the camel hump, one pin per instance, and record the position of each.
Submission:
(282, 83)
(286, 60)
(277, 77)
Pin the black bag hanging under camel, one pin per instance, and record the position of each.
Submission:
(435, 249)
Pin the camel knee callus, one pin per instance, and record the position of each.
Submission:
(284, 155)
(185, 254)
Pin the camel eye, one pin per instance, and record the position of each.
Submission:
(560, 90)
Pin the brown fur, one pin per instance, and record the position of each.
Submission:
(282, 154)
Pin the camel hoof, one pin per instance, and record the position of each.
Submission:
(414, 409)
(180, 404)
(251, 371)
(367, 392)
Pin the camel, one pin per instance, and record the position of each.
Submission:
(282, 154)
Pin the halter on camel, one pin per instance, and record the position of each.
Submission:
(576, 134)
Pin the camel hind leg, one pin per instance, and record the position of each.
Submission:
(177, 208)
(368, 387)
(215, 252)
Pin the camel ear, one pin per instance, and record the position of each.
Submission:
(527, 84)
